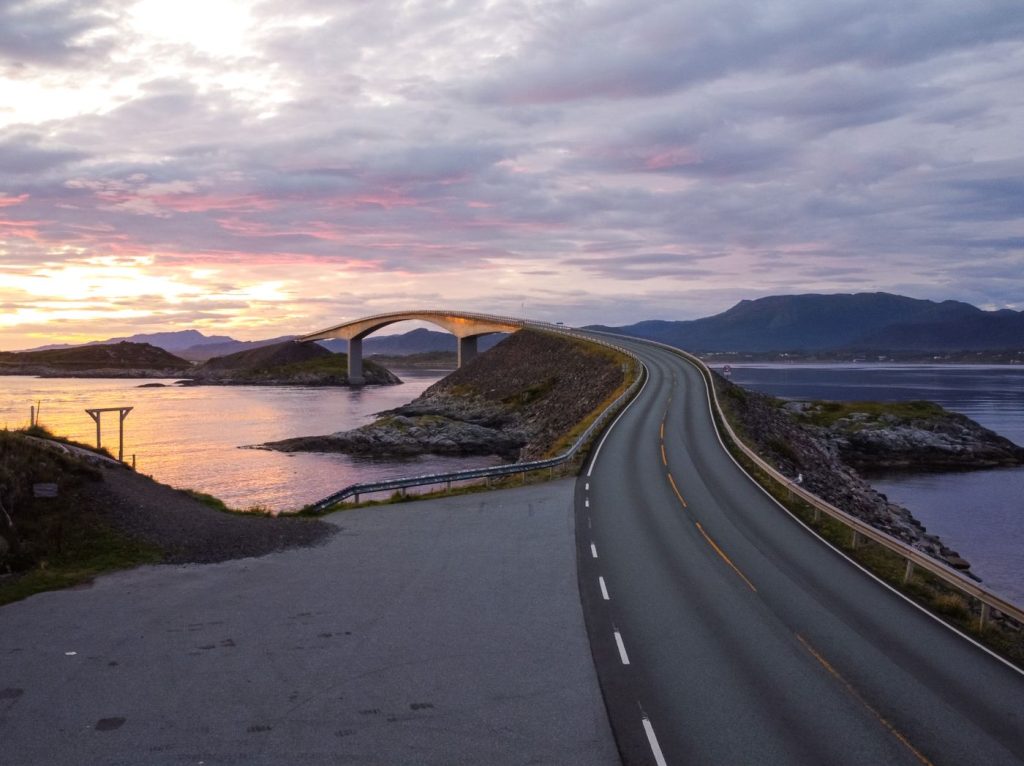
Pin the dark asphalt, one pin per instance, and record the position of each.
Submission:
(750, 641)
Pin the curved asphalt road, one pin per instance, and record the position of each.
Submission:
(725, 633)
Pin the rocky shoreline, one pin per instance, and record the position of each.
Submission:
(515, 401)
(829, 444)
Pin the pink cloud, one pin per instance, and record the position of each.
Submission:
(6, 201)
(21, 229)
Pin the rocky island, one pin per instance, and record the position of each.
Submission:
(829, 444)
(112, 360)
(519, 401)
(289, 363)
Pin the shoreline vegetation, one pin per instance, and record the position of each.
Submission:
(69, 513)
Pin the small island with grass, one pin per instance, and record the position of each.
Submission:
(289, 363)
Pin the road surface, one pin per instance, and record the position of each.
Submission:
(725, 633)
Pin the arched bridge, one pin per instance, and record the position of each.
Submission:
(465, 326)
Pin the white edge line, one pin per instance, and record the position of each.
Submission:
(593, 458)
(821, 539)
(604, 589)
(622, 649)
(652, 740)
(593, 550)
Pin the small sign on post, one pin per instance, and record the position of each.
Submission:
(44, 489)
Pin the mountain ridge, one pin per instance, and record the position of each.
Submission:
(845, 321)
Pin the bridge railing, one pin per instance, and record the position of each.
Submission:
(859, 530)
(354, 491)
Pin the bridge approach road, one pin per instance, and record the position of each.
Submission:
(724, 632)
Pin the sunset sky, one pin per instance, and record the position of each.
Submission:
(262, 168)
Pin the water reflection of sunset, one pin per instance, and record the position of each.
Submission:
(189, 437)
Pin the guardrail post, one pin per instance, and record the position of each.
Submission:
(817, 514)
(448, 486)
(357, 497)
(855, 539)
(986, 614)
(908, 572)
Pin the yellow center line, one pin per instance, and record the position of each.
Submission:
(725, 558)
(856, 695)
(662, 430)
(664, 460)
(676, 490)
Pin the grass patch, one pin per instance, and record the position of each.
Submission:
(822, 413)
(54, 542)
(87, 547)
(219, 505)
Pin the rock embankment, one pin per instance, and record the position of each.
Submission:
(517, 400)
(826, 442)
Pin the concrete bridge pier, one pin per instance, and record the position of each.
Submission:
(355, 362)
(467, 349)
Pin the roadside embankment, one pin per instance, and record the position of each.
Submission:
(519, 400)
(67, 514)
(828, 443)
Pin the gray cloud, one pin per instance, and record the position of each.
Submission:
(52, 33)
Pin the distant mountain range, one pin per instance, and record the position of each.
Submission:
(196, 347)
(869, 322)
(876, 322)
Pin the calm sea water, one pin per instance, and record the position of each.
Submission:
(190, 437)
(979, 513)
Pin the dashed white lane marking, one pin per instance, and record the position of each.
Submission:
(593, 550)
(586, 502)
(604, 589)
(587, 486)
(622, 649)
(652, 739)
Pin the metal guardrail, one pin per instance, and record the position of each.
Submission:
(508, 469)
(859, 529)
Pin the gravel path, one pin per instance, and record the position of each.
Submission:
(190, 532)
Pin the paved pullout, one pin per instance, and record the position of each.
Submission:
(437, 632)
(725, 633)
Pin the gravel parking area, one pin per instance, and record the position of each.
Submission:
(433, 632)
(189, 531)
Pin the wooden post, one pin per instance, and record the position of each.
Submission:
(908, 572)
(95, 412)
(855, 539)
(120, 437)
(986, 613)
(32, 415)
